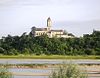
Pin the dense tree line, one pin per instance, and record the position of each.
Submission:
(89, 44)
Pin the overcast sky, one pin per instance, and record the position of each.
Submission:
(75, 16)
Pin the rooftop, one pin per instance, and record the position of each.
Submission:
(41, 29)
(57, 30)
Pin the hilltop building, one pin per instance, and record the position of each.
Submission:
(48, 31)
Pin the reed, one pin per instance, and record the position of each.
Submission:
(69, 71)
(4, 73)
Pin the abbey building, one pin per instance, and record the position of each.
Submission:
(49, 32)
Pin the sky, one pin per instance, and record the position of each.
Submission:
(75, 16)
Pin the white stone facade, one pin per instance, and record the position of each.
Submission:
(51, 33)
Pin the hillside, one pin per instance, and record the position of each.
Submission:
(89, 44)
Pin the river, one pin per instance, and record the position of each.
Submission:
(43, 61)
(47, 61)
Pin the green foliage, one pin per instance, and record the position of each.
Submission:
(27, 44)
(1, 50)
(4, 73)
(69, 71)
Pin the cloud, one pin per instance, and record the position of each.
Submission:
(34, 2)
(79, 28)
(18, 14)
(4, 1)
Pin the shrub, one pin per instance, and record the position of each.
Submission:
(69, 71)
(4, 73)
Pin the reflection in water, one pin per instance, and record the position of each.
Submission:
(29, 70)
(43, 61)
(47, 61)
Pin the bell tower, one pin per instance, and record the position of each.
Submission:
(49, 23)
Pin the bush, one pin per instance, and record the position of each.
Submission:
(69, 71)
(4, 73)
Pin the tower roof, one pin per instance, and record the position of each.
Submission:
(49, 18)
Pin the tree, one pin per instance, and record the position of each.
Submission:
(2, 50)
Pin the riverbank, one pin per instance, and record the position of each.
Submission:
(45, 70)
(46, 66)
(48, 57)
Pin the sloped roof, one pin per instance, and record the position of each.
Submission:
(41, 29)
(57, 30)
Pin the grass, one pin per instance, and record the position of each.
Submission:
(69, 71)
(23, 65)
(48, 57)
(4, 73)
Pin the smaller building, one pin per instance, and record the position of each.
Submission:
(51, 33)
